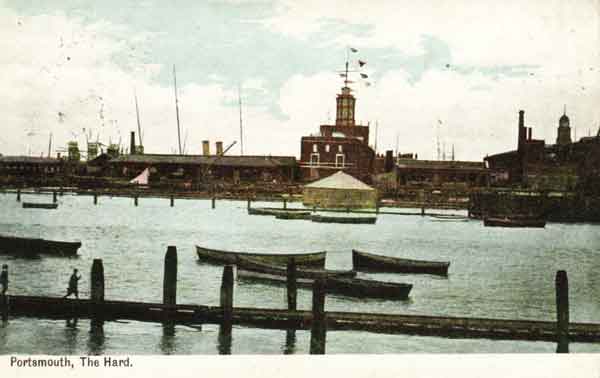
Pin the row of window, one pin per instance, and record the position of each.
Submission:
(327, 148)
(340, 159)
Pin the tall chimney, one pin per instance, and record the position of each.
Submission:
(132, 144)
(521, 118)
(529, 133)
(522, 130)
(219, 146)
(205, 148)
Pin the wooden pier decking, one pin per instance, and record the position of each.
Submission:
(452, 327)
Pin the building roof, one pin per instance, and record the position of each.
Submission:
(439, 164)
(226, 160)
(29, 160)
(339, 180)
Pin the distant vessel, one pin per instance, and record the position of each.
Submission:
(514, 222)
(38, 205)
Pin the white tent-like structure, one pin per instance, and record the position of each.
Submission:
(339, 190)
(142, 178)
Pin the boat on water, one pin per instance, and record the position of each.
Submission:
(261, 211)
(345, 220)
(32, 247)
(449, 218)
(364, 261)
(514, 222)
(39, 205)
(293, 215)
(215, 256)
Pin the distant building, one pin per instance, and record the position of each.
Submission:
(339, 190)
(342, 146)
(440, 174)
(564, 166)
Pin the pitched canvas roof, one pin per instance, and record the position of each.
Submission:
(339, 180)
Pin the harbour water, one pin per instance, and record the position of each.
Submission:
(494, 273)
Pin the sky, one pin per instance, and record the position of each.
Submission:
(460, 70)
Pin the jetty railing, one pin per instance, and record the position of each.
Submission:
(317, 320)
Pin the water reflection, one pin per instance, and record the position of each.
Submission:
(96, 340)
(290, 342)
(71, 332)
(167, 341)
(224, 344)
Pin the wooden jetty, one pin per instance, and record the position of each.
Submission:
(215, 256)
(39, 205)
(370, 262)
(344, 220)
(32, 247)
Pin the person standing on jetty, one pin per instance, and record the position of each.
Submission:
(73, 284)
(4, 278)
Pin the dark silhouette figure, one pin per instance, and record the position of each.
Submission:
(73, 281)
(4, 279)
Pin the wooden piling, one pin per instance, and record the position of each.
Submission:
(172, 200)
(214, 200)
(562, 311)
(292, 286)
(285, 204)
(135, 200)
(18, 195)
(249, 203)
(54, 198)
(4, 307)
(97, 296)
(95, 198)
(170, 277)
(318, 332)
(227, 300)
(422, 211)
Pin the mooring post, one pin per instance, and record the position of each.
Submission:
(213, 202)
(170, 277)
(95, 198)
(227, 300)
(54, 198)
(249, 203)
(97, 294)
(422, 211)
(18, 195)
(4, 300)
(318, 332)
(135, 200)
(292, 286)
(285, 204)
(562, 311)
(377, 207)
(172, 200)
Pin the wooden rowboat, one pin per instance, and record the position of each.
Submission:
(31, 247)
(346, 220)
(363, 261)
(260, 211)
(215, 256)
(514, 222)
(38, 205)
(278, 272)
(449, 218)
(293, 215)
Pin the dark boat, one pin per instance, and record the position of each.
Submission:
(346, 220)
(514, 222)
(38, 205)
(293, 215)
(31, 247)
(363, 261)
(360, 288)
(216, 256)
(248, 268)
(260, 211)
(449, 218)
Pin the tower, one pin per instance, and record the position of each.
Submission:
(345, 108)
(564, 130)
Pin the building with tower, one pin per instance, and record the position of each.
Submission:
(563, 136)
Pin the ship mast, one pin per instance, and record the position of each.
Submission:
(137, 113)
(177, 110)
(241, 128)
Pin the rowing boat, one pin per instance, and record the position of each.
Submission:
(514, 222)
(215, 256)
(449, 218)
(32, 247)
(293, 215)
(261, 211)
(38, 205)
(246, 266)
(345, 220)
(363, 261)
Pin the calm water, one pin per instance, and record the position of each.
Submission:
(494, 272)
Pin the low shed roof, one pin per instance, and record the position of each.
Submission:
(339, 180)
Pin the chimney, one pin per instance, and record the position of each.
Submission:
(205, 148)
(522, 130)
(521, 118)
(219, 147)
(529, 133)
(389, 161)
(132, 144)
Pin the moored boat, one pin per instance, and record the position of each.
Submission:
(32, 247)
(363, 261)
(261, 211)
(514, 222)
(215, 256)
(293, 215)
(449, 218)
(39, 205)
(246, 266)
(345, 220)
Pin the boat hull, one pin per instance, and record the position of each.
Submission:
(363, 261)
(344, 220)
(31, 247)
(514, 223)
(37, 205)
(215, 256)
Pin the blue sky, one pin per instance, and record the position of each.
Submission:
(471, 66)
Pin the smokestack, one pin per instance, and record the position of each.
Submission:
(522, 130)
(205, 148)
(529, 133)
(219, 146)
(521, 118)
(132, 144)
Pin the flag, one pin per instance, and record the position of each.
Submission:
(364, 76)
(368, 84)
(353, 49)
(361, 63)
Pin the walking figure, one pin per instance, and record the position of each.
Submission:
(4, 278)
(72, 289)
